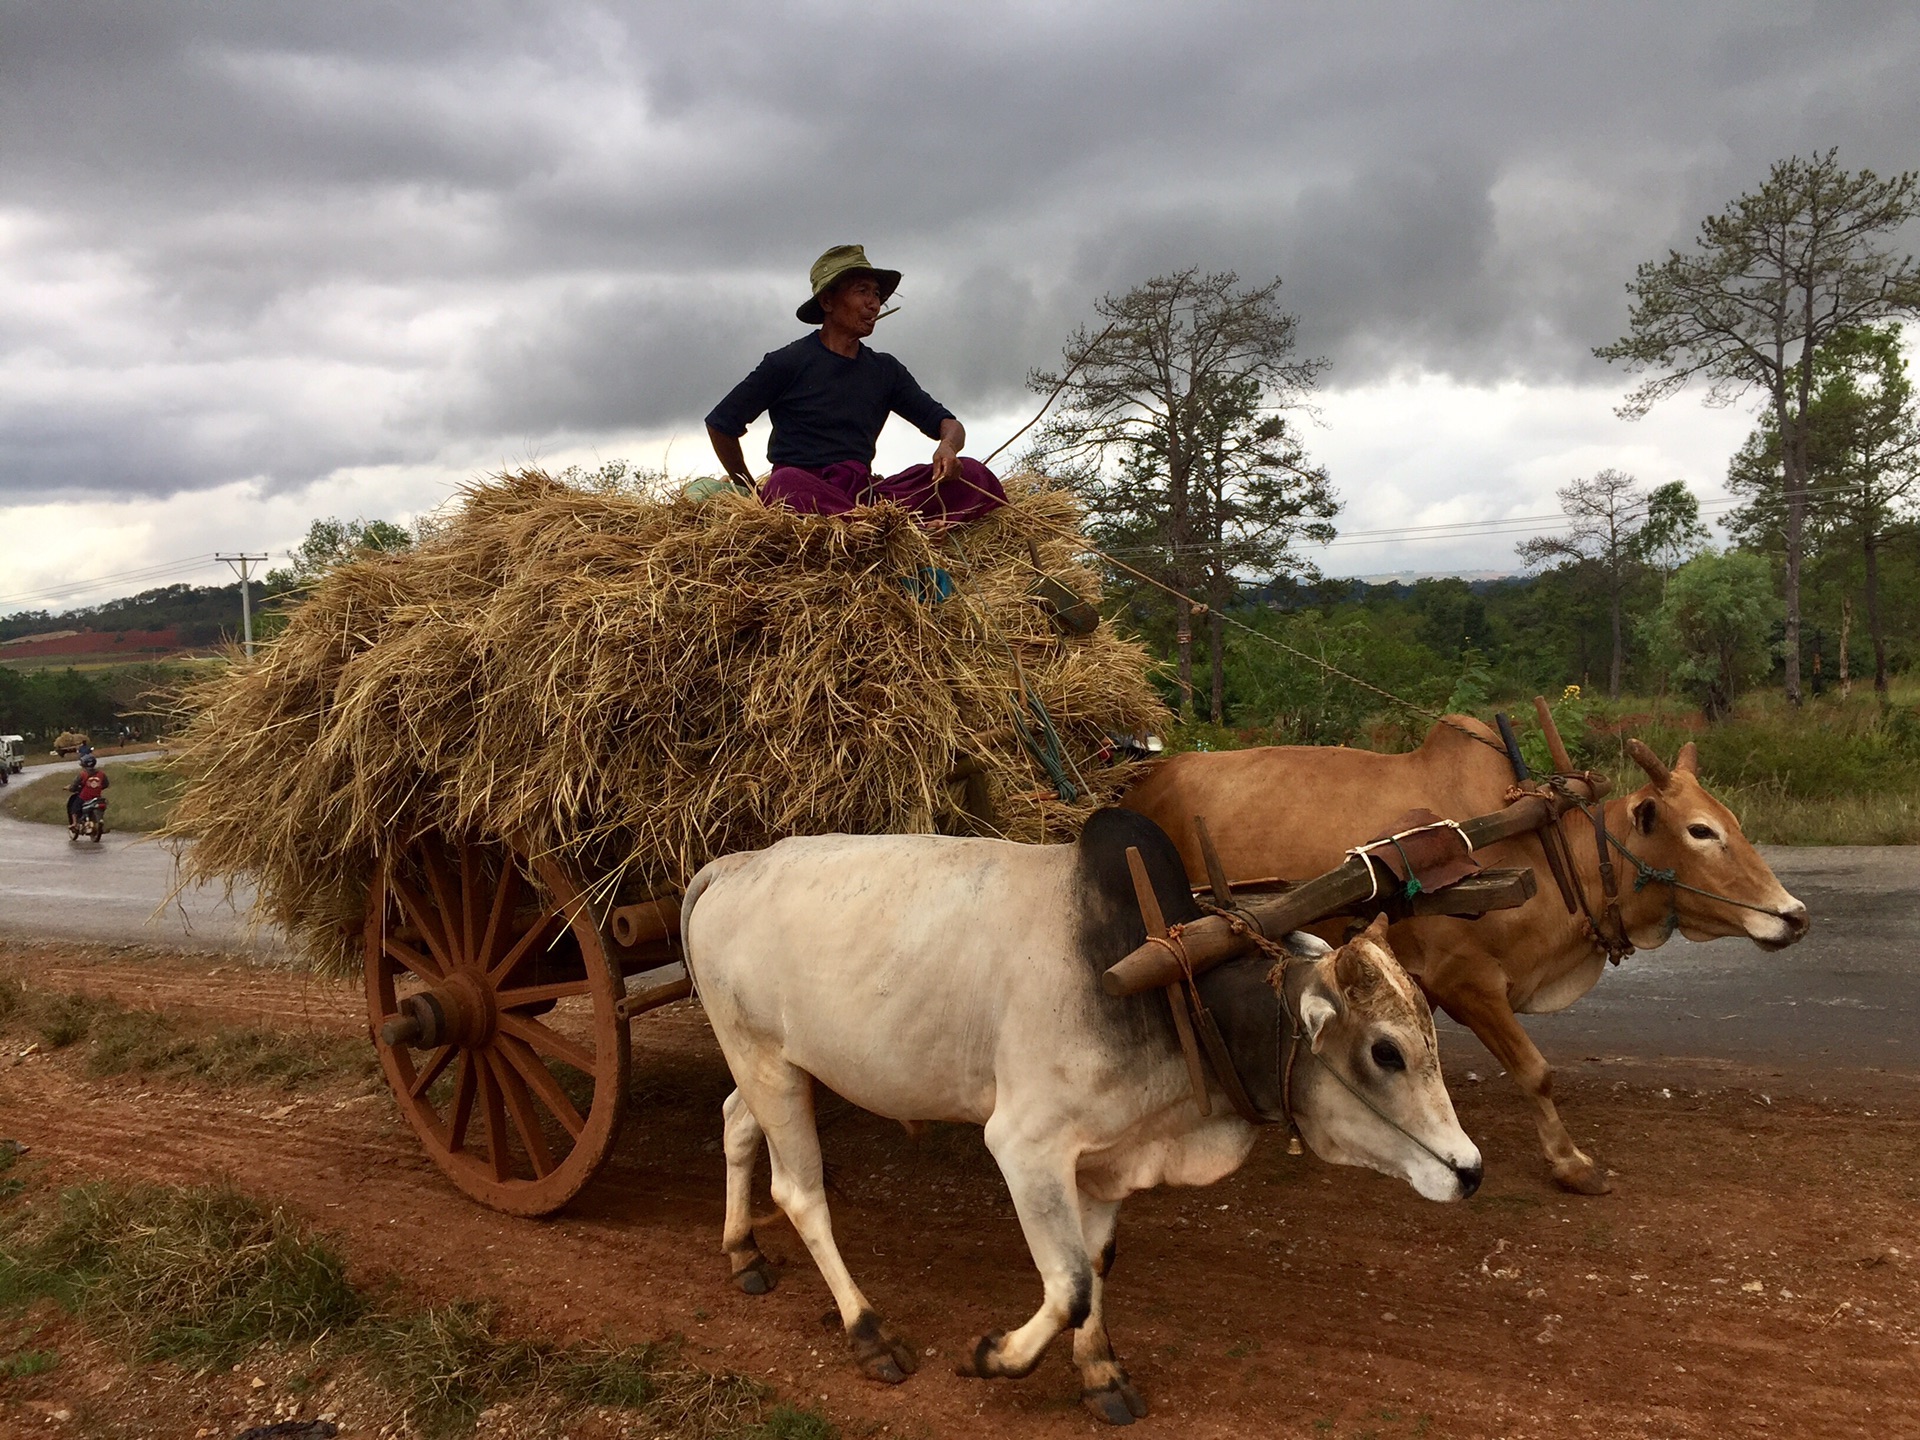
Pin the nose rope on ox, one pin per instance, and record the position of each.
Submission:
(1297, 1032)
(1646, 874)
(1654, 875)
(1191, 1016)
(1607, 928)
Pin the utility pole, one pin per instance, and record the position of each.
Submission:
(242, 566)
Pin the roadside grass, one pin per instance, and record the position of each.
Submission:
(25, 1364)
(123, 1041)
(141, 797)
(202, 1276)
(1834, 772)
(191, 1275)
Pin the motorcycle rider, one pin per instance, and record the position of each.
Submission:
(90, 784)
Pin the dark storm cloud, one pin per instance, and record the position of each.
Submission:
(269, 240)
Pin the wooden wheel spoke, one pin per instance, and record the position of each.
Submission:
(412, 959)
(520, 995)
(506, 895)
(492, 1116)
(525, 1118)
(522, 946)
(548, 1041)
(470, 903)
(444, 898)
(423, 1081)
(535, 1073)
(464, 1085)
(416, 910)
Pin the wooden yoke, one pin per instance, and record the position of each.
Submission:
(1215, 938)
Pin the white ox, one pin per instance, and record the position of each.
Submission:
(926, 978)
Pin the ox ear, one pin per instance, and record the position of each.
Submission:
(1656, 768)
(1316, 1010)
(1687, 762)
(1644, 813)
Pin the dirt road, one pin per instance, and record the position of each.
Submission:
(1757, 1269)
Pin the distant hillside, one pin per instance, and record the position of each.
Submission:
(196, 615)
(131, 644)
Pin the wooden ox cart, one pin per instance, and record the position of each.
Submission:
(500, 992)
(481, 772)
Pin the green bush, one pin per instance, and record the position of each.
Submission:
(1709, 633)
(1297, 702)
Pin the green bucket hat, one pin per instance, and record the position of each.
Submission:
(837, 264)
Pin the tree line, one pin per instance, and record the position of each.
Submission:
(200, 613)
(1176, 423)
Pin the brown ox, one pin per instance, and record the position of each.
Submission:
(1291, 812)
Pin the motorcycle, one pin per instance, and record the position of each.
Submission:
(91, 822)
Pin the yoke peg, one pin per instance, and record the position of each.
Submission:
(1216, 872)
(1157, 927)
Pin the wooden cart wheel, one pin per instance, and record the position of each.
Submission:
(492, 998)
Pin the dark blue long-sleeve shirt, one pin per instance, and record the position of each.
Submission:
(826, 408)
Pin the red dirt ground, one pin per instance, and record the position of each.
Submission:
(1756, 1271)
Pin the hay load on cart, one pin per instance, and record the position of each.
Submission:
(481, 772)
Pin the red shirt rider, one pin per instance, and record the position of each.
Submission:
(89, 784)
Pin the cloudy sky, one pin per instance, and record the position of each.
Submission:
(261, 262)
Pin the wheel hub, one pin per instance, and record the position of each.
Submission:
(457, 1010)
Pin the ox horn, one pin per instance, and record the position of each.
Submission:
(1688, 760)
(1656, 769)
(1353, 970)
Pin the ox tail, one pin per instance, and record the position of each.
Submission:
(708, 874)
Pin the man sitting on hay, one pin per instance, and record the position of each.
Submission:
(829, 396)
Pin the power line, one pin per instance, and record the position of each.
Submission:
(160, 570)
(1468, 529)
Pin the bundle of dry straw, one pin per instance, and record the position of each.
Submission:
(638, 685)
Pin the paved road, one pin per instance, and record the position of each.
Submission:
(115, 891)
(1846, 997)
(47, 767)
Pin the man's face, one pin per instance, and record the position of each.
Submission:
(853, 304)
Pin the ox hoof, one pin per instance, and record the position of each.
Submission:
(1586, 1178)
(1118, 1404)
(978, 1364)
(882, 1355)
(755, 1281)
(753, 1273)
